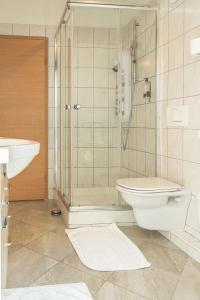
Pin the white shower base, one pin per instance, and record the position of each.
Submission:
(91, 212)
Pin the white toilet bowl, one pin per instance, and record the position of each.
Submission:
(158, 204)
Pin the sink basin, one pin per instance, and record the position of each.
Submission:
(21, 153)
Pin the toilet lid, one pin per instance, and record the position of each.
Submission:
(148, 184)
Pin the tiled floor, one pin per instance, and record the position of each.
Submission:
(42, 254)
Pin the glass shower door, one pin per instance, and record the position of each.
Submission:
(96, 121)
(63, 111)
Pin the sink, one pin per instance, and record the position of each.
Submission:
(21, 153)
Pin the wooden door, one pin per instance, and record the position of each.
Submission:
(24, 108)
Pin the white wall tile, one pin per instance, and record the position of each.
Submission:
(85, 157)
(85, 57)
(150, 40)
(51, 94)
(176, 22)
(51, 76)
(85, 37)
(193, 104)
(85, 117)
(85, 77)
(163, 31)
(192, 79)
(175, 143)
(101, 37)
(192, 11)
(50, 32)
(100, 157)
(100, 78)
(176, 53)
(51, 58)
(141, 161)
(162, 166)
(85, 177)
(163, 59)
(85, 97)
(20, 29)
(100, 97)
(175, 170)
(175, 84)
(191, 176)
(100, 177)
(100, 137)
(194, 33)
(100, 117)
(191, 146)
(5, 28)
(37, 30)
(85, 137)
(101, 58)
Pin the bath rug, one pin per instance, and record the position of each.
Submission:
(72, 291)
(106, 248)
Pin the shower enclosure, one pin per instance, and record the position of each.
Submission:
(105, 110)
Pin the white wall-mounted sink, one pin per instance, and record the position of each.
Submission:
(21, 153)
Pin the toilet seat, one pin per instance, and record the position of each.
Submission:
(147, 185)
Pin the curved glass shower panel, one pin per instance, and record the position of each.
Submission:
(139, 128)
(96, 139)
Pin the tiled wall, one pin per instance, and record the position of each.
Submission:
(179, 83)
(48, 31)
(96, 139)
(139, 158)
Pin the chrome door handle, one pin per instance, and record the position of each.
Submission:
(67, 107)
(77, 106)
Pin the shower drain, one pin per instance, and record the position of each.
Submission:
(56, 212)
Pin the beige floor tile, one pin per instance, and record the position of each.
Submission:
(150, 282)
(61, 273)
(164, 258)
(60, 230)
(14, 208)
(73, 260)
(110, 291)
(24, 213)
(14, 247)
(44, 205)
(189, 284)
(53, 245)
(25, 266)
(160, 240)
(22, 233)
(136, 232)
(44, 220)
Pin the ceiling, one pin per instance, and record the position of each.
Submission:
(49, 12)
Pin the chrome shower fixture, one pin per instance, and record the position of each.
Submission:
(115, 68)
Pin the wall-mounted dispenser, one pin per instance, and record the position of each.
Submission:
(195, 47)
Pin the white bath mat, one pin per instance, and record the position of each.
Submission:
(106, 249)
(74, 291)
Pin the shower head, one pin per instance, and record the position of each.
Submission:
(115, 68)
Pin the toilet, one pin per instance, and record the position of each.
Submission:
(158, 204)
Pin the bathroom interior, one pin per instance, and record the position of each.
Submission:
(99, 149)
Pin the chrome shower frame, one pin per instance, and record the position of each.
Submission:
(66, 207)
